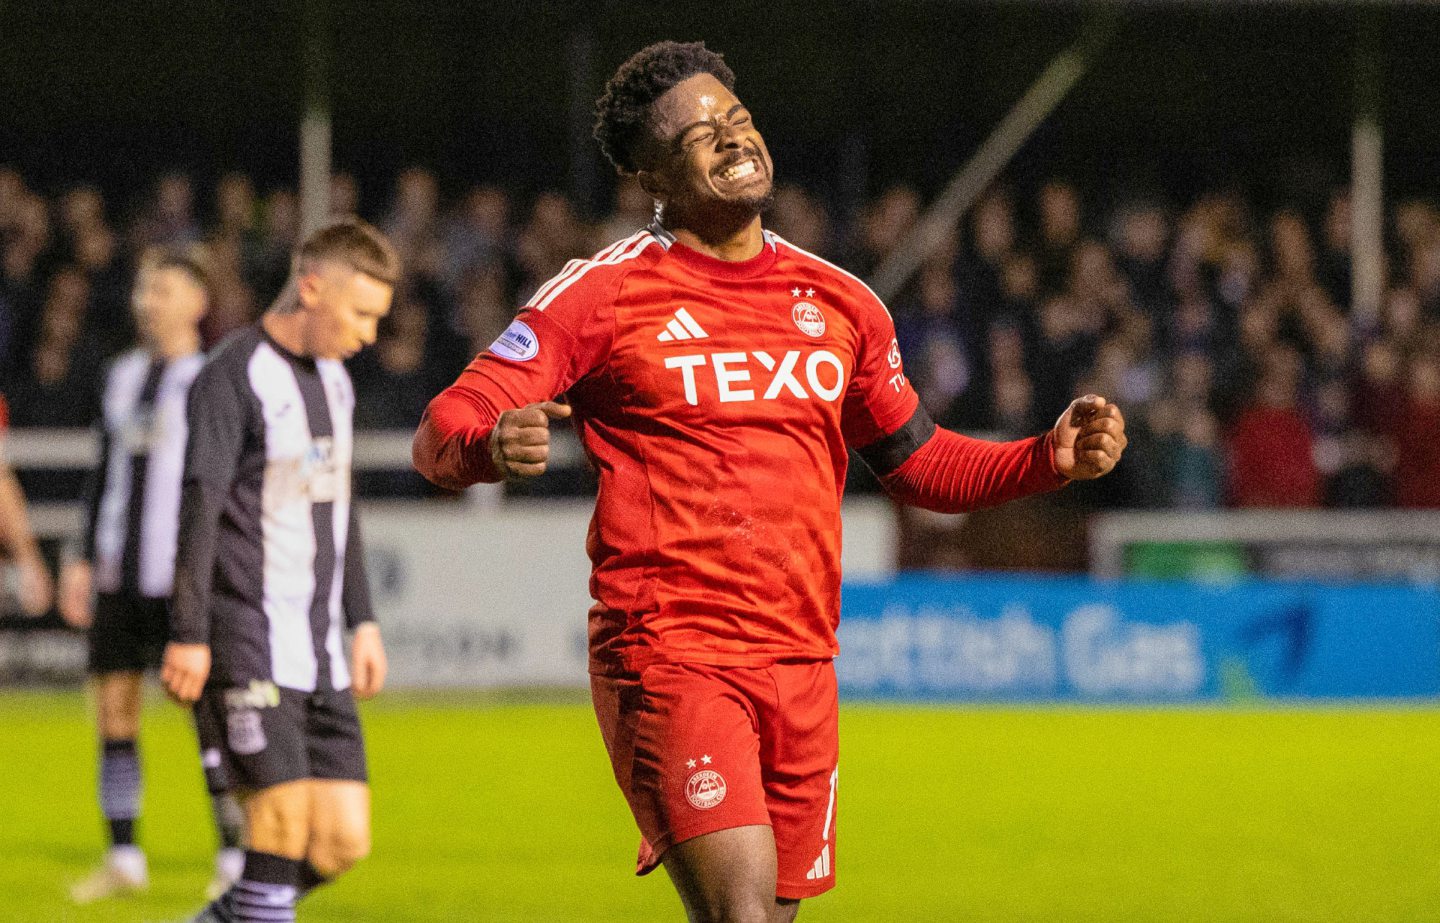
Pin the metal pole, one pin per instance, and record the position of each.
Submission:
(972, 179)
(1367, 174)
(315, 122)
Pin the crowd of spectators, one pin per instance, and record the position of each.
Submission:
(1226, 335)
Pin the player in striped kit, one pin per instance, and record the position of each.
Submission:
(270, 574)
(127, 553)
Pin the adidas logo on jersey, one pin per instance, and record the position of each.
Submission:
(682, 327)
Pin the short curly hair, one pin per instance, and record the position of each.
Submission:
(621, 112)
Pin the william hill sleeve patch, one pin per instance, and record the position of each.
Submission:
(518, 342)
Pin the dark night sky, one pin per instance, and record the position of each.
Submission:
(1184, 96)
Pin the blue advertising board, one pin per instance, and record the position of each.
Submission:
(1048, 639)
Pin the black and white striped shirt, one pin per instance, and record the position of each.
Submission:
(270, 564)
(132, 503)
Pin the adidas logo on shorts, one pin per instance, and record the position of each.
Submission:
(822, 865)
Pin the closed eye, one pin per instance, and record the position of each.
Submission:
(697, 135)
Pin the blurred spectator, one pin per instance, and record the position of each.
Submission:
(413, 223)
(1141, 237)
(1271, 452)
(483, 306)
(634, 209)
(279, 232)
(882, 226)
(1417, 469)
(801, 219)
(939, 361)
(477, 235)
(552, 236)
(168, 219)
(1059, 213)
(397, 377)
(59, 385)
(1063, 350)
(236, 228)
(1013, 396)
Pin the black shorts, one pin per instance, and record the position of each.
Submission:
(262, 735)
(129, 633)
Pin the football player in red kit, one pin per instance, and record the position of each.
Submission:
(717, 376)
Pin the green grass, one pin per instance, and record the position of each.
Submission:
(489, 810)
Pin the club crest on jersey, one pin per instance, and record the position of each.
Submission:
(244, 732)
(809, 319)
(705, 789)
(518, 342)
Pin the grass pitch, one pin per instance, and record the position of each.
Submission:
(487, 810)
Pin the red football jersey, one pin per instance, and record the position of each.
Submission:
(716, 400)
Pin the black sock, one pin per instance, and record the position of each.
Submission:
(120, 788)
(310, 879)
(122, 831)
(264, 893)
(229, 819)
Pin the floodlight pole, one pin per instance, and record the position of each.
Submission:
(315, 122)
(1053, 84)
(1367, 174)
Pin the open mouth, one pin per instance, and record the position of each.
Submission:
(742, 170)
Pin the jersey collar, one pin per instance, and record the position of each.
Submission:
(717, 268)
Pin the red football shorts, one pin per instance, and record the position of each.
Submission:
(700, 748)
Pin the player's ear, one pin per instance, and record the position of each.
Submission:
(652, 182)
(308, 285)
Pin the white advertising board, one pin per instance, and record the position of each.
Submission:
(497, 596)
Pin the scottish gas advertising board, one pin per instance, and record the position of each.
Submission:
(1008, 639)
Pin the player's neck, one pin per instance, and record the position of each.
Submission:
(734, 245)
(177, 345)
(287, 330)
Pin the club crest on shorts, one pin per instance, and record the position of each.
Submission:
(244, 732)
(809, 319)
(705, 789)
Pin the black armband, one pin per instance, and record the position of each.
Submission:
(887, 453)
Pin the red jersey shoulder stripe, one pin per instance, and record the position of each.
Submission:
(573, 265)
(627, 249)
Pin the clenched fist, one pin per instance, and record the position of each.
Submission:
(1089, 438)
(520, 442)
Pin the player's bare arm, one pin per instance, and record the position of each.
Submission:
(520, 442)
(75, 599)
(36, 587)
(368, 664)
(184, 671)
(1089, 438)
